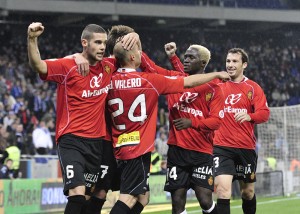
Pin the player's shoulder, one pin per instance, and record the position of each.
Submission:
(251, 82)
(63, 61)
(108, 61)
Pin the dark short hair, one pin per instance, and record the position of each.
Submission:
(114, 33)
(88, 31)
(244, 54)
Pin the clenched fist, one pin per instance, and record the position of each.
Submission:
(35, 29)
(170, 49)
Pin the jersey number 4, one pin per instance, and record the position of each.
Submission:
(140, 101)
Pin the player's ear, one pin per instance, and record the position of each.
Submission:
(245, 64)
(84, 43)
(132, 57)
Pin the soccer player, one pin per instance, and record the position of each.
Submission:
(194, 115)
(234, 151)
(234, 142)
(110, 177)
(80, 110)
(132, 102)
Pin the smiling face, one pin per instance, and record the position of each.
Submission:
(95, 47)
(235, 66)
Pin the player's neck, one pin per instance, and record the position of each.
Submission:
(238, 78)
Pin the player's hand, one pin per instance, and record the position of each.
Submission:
(129, 40)
(170, 49)
(242, 117)
(182, 123)
(223, 75)
(35, 29)
(82, 63)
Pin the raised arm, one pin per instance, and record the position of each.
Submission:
(149, 66)
(199, 79)
(170, 49)
(34, 31)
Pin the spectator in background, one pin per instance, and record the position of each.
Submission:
(20, 139)
(5, 169)
(161, 144)
(12, 152)
(9, 120)
(41, 136)
(9, 101)
(156, 158)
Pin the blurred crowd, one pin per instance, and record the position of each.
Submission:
(27, 103)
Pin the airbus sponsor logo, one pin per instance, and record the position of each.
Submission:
(233, 99)
(187, 109)
(98, 92)
(96, 81)
(230, 109)
(188, 97)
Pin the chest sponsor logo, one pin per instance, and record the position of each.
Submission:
(233, 99)
(128, 139)
(188, 97)
(96, 81)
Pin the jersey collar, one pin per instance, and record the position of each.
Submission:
(122, 70)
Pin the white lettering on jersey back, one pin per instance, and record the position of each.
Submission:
(129, 83)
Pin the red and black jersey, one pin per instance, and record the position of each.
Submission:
(80, 100)
(132, 105)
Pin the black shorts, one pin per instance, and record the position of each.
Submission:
(187, 168)
(80, 160)
(135, 175)
(110, 176)
(241, 163)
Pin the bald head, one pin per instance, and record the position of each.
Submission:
(127, 58)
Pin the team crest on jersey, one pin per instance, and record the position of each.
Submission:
(208, 96)
(107, 69)
(252, 176)
(249, 95)
(93, 188)
(210, 180)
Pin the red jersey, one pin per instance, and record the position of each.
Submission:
(133, 101)
(203, 105)
(80, 100)
(246, 96)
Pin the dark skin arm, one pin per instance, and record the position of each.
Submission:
(182, 123)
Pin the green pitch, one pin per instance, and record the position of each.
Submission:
(290, 205)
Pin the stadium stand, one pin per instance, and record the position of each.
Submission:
(274, 64)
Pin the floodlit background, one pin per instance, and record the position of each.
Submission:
(269, 30)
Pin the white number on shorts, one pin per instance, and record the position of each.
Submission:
(172, 173)
(70, 172)
(139, 101)
(217, 163)
(104, 171)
